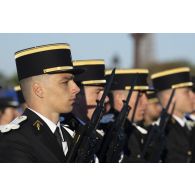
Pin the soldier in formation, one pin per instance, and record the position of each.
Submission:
(76, 111)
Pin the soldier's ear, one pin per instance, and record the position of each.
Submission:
(174, 98)
(38, 90)
(118, 96)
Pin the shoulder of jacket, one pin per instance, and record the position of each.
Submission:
(15, 124)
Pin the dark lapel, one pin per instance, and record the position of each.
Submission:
(43, 133)
(113, 111)
(183, 131)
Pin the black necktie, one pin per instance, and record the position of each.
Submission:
(58, 136)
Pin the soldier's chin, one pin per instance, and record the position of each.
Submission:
(139, 118)
(190, 110)
(68, 109)
(193, 112)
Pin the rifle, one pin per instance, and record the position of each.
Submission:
(85, 139)
(162, 140)
(114, 139)
(157, 132)
(135, 107)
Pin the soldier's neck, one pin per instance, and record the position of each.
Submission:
(148, 120)
(178, 114)
(52, 116)
(193, 113)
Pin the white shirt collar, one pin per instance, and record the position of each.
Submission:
(180, 120)
(50, 124)
(192, 117)
(52, 127)
(140, 129)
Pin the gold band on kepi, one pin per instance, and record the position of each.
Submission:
(127, 71)
(17, 88)
(41, 49)
(153, 100)
(93, 82)
(173, 78)
(152, 97)
(94, 72)
(48, 70)
(19, 94)
(88, 62)
(45, 59)
(170, 72)
(179, 85)
(142, 88)
(124, 78)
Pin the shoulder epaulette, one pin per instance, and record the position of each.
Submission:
(15, 124)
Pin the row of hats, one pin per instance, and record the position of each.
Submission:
(173, 78)
(96, 75)
(56, 58)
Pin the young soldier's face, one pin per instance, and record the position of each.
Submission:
(141, 107)
(193, 101)
(61, 92)
(183, 99)
(92, 94)
(8, 115)
(121, 95)
(153, 111)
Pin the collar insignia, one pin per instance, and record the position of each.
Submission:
(38, 125)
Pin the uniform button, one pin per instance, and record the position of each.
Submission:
(189, 152)
(138, 156)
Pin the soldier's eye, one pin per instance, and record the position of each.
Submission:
(65, 82)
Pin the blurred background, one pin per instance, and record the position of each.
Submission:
(155, 51)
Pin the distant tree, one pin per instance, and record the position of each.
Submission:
(8, 81)
(13, 80)
(169, 65)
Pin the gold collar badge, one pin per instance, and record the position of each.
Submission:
(37, 124)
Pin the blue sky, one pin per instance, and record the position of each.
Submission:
(175, 46)
(97, 46)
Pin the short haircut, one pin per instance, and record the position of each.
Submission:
(26, 85)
